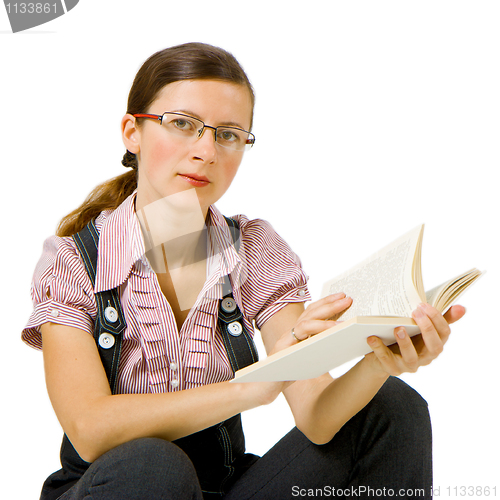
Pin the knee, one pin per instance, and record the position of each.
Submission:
(399, 394)
(152, 467)
(150, 455)
(399, 405)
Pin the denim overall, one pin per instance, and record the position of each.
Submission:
(218, 452)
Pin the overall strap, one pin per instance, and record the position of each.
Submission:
(238, 342)
(110, 320)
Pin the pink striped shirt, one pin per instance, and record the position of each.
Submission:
(265, 274)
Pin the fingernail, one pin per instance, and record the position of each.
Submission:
(401, 333)
(418, 313)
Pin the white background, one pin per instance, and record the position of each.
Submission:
(371, 117)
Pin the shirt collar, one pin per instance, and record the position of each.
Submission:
(224, 249)
(121, 246)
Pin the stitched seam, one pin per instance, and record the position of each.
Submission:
(235, 358)
(114, 371)
(229, 348)
(228, 455)
(86, 258)
(250, 344)
(94, 267)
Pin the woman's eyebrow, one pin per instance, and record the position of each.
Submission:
(187, 112)
(232, 124)
(195, 115)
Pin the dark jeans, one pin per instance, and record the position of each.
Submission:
(382, 451)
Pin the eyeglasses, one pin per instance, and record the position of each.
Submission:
(192, 128)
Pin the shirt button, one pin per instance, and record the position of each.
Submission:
(228, 305)
(235, 328)
(174, 383)
(111, 314)
(106, 340)
(173, 366)
(54, 313)
(301, 293)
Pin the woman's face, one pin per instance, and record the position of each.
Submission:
(168, 165)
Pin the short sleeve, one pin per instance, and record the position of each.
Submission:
(274, 274)
(61, 291)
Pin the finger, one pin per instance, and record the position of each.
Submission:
(325, 301)
(439, 321)
(384, 355)
(454, 313)
(307, 328)
(329, 308)
(407, 350)
(432, 339)
(440, 324)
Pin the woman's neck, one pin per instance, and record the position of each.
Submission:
(174, 230)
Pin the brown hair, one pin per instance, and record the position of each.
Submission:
(190, 61)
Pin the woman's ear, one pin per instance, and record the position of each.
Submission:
(131, 135)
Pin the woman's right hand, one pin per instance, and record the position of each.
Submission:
(315, 319)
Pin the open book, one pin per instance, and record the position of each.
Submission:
(385, 288)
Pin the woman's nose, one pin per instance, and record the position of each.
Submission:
(204, 147)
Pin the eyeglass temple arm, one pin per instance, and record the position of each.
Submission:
(142, 115)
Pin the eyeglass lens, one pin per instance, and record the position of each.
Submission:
(189, 127)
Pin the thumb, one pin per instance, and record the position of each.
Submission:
(454, 313)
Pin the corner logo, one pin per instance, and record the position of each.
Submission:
(26, 15)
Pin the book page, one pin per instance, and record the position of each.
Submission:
(443, 296)
(382, 285)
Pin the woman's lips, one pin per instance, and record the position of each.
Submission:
(195, 180)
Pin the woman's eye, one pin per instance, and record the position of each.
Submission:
(228, 136)
(183, 124)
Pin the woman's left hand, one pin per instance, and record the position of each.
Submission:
(408, 354)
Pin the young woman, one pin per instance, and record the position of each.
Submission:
(167, 425)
